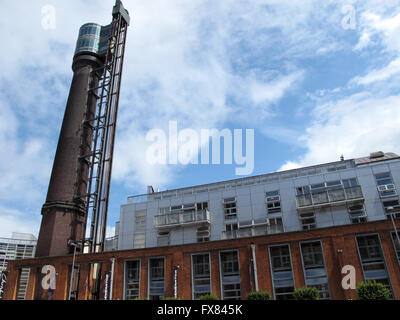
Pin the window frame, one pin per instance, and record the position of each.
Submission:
(271, 267)
(192, 270)
(125, 274)
(323, 260)
(221, 273)
(383, 259)
(149, 275)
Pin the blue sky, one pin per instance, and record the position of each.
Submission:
(310, 86)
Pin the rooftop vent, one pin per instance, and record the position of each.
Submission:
(377, 154)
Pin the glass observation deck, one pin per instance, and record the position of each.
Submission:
(93, 38)
(89, 38)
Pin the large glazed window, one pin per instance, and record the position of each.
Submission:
(132, 276)
(201, 278)
(156, 278)
(372, 259)
(230, 275)
(314, 267)
(282, 274)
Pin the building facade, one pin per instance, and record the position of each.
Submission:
(19, 246)
(277, 233)
(333, 194)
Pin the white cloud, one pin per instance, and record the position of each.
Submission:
(273, 91)
(354, 127)
(378, 75)
(384, 30)
(12, 220)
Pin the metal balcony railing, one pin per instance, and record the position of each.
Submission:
(392, 209)
(182, 218)
(252, 232)
(328, 197)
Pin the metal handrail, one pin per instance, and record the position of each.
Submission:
(329, 196)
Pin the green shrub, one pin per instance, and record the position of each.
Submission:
(308, 293)
(258, 296)
(208, 297)
(372, 290)
(171, 298)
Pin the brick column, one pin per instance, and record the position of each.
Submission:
(350, 257)
(333, 266)
(144, 277)
(245, 265)
(297, 264)
(215, 274)
(83, 281)
(263, 269)
(62, 277)
(168, 277)
(185, 277)
(119, 279)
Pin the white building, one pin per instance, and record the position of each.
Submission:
(19, 246)
(337, 193)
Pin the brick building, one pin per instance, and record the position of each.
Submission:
(276, 232)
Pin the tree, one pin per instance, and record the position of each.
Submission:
(208, 297)
(307, 293)
(372, 290)
(258, 296)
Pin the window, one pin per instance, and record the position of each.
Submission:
(203, 234)
(372, 259)
(231, 231)
(392, 207)
(132, 276)
(156, 278)
(314, 267)
(349, 183)
(230, 275)
(282, 274)
(307, 220)
(201, 277)
(303, 190)
(202, 206)
(396, 244)
(163, 238)
(273, 202)
(385, 184)
(230, 211)
(275, 225)
(357, 213)
(140, 229)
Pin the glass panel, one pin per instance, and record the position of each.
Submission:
(156, 279)
(230, 275)
(132, 269)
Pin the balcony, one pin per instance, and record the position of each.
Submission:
(328, 198)
(182, 218)
(252, 232)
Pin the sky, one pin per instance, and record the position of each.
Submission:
(312, 79)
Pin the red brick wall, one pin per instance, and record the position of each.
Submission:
(339, 247)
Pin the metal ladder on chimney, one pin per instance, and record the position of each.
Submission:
(104, 129)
